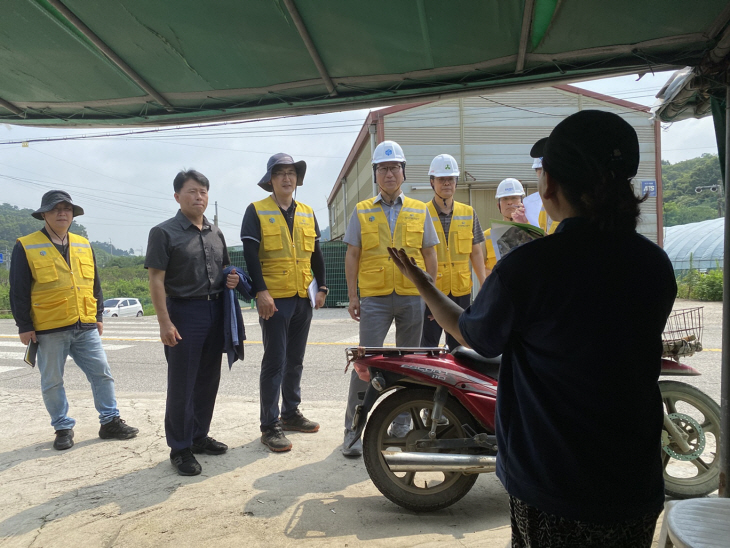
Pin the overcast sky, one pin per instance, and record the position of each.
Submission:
(125, 183)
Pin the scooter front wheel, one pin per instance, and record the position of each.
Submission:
(417, 491)
(691, 468)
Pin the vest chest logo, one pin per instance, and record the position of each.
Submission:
(43, 253)
(272, 220)
(371, 219)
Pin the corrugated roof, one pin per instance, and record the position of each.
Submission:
(376, 117)
(704, 241)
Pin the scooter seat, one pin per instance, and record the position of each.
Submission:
(473, 360)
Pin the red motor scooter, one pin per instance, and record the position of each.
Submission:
(451, 400)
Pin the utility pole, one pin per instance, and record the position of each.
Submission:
(215, 217)
(720, 199)
(111, 247)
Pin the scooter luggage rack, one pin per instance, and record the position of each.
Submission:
(682, 335)
(356, 352)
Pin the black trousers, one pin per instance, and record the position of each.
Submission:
(432, 330)
(285, 340)
(193, 370)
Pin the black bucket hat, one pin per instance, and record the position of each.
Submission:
(282, 159)
(51, 199)
(587, 139)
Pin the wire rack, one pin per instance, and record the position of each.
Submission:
(682, 335)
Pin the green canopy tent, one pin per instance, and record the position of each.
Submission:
(136, 62)
(143, 63)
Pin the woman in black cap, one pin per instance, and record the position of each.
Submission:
(565, 412)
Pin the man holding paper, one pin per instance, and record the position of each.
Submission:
(510, 194)
(544, 221)
(281, 247)
(57, 303)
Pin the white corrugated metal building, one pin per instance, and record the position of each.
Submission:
(490, 136)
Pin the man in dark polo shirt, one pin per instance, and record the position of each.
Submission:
(185, 259)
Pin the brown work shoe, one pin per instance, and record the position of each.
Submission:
(299, 423)
(273, 437)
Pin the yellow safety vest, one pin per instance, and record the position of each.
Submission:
(542, 221)
(60, 295)
(491, 259)
(286, 263)
(376, 273)
(454, 275)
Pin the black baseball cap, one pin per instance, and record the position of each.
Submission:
(589, 140)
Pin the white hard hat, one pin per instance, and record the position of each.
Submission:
(509, 187)
(537, 163)
(388, 151)
(443, 165)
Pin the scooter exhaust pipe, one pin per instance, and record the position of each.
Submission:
(399, 461)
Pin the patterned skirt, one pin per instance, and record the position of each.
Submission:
(533, 528)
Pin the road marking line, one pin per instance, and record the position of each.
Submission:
(12, 355)
(4, 368)
(14, 344)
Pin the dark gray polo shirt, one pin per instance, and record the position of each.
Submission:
(193, 259)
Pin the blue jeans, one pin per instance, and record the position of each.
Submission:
(84, 346)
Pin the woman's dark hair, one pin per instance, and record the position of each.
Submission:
(186, 175)
(594, 155)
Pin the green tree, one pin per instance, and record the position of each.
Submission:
(682, 204)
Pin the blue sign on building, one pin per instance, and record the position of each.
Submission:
(1, 258)
(648, 187)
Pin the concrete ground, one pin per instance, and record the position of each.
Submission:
(126, 494)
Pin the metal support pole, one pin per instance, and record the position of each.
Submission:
(724, 443)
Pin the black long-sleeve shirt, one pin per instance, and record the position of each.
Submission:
(580, 338)
(20, 283)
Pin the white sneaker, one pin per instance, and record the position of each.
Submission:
(356, 449)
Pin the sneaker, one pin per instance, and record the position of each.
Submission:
(117, 429)
(399, 430)
(64, 439)
(273, 437)
(185, 463)
(356, 449)
(209, 446)
(299, 423)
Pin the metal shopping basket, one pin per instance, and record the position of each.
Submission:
(682, 335)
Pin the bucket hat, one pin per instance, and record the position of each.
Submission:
(51, 199)
(282, 159)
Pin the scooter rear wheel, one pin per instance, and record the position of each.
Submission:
(694, 472)
(417, 491)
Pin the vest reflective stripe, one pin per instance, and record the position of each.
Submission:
(286, 263)
(454, 274)
(491, 259)
(376, 273)
(60, 296)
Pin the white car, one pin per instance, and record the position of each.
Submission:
(122, 306)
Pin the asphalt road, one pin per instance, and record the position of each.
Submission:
(138, 363)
